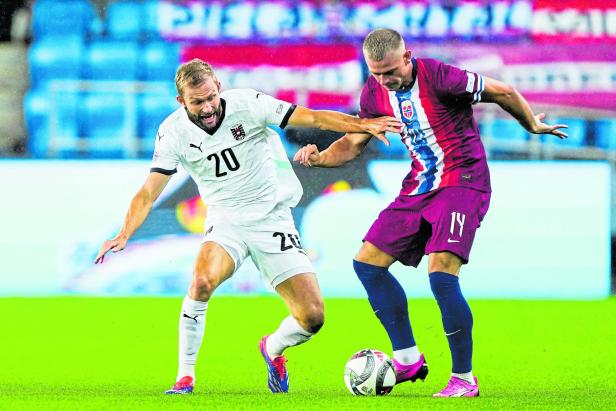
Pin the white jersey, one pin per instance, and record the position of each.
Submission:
(241, 169)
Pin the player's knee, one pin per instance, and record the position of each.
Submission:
(370, 254)
(313, 319)
(314, 323)
(445, 262)
(364, 256)
(202, 287)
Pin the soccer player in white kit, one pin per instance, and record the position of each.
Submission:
(246, 180)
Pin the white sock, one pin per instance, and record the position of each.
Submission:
(192, 327)
(466, 376)
(288, 334)
(407, 356)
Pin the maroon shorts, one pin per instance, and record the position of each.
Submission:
(441, 220)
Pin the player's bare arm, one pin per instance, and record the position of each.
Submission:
(139, 208)
(515, 104)
(338, 153)
(336, 121)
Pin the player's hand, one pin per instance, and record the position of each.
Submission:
(115, 245)
(307, 156)
(380, 125)
(542, 128)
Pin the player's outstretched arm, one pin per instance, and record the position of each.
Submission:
(515, 104)
(336, 121)
(138, 210)
(338, 153)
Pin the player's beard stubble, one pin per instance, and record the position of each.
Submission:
(206, 122)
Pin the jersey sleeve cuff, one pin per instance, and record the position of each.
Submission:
(163, 171)
(480, 87)
(285, 120)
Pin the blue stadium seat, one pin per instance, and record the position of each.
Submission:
(504, 135)
(605, 133)
(576, 131)
(52, 123)
(112, 60)
(159, 60)
(62, 18)
(504, 129)
(108, 123)
(151, 14)
(55, 58)
(153, 108)
(36, 112)
(125, 20)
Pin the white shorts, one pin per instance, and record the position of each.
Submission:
(273, 244)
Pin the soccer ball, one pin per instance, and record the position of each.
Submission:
(370, 372)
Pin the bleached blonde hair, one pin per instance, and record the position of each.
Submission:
(378, 42)
(193, 74)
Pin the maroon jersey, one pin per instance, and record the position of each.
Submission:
(440, 132)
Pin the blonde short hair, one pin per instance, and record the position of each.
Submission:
(378, 42)
(192, 74)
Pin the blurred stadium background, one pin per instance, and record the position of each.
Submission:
(84, 85)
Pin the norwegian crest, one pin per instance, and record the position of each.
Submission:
(407, 109)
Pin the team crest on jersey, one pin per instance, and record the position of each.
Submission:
(407, 109)
(237, 131)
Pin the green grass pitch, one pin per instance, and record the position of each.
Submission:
(102, 353)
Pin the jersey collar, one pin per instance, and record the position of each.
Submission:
(414, 74)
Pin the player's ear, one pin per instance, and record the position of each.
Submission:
(180, 100)
(218, 85)
(407, 56)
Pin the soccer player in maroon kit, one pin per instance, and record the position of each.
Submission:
(443, 199)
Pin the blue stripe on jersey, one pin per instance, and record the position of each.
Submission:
(417, 139)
